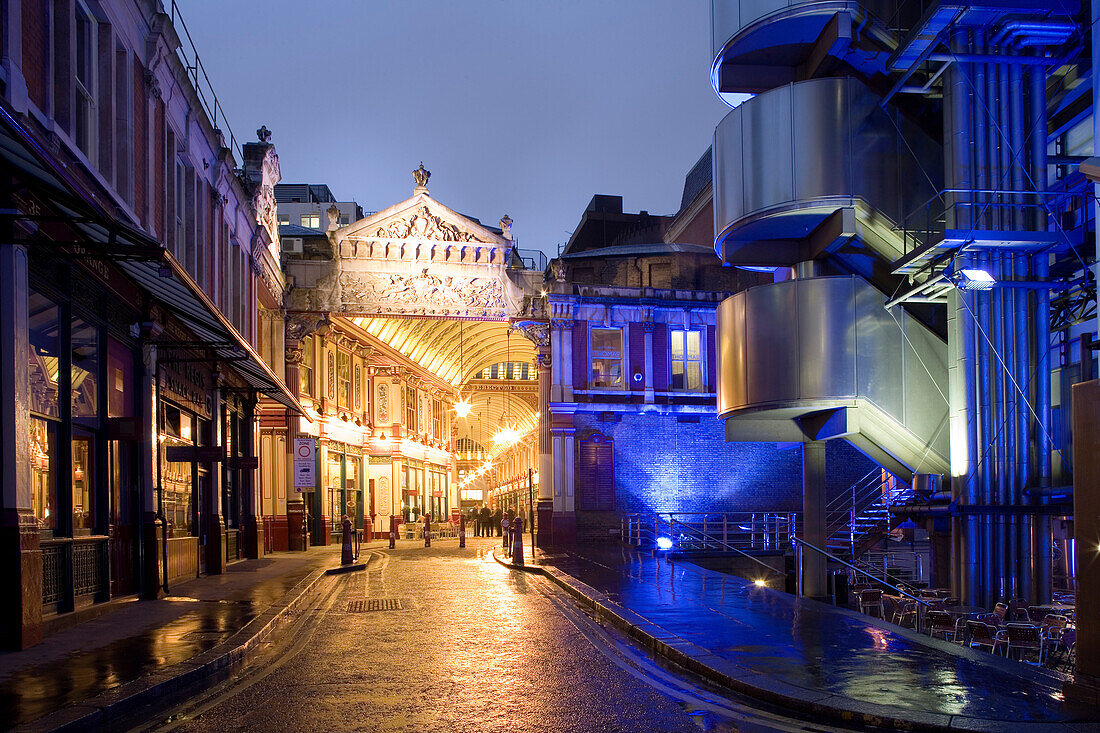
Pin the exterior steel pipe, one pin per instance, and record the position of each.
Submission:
(985, 430)
(957, 138)
(1023, 423)
(1016, 131)
(1013, 406)
(969, 550)
(980, 120)
(1040, 540)
(1000, 432)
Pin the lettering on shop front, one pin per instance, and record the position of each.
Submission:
(186, 384)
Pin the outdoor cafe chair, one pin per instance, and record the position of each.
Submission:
(982, 634)
(889, 607)
(1052, 628)
(1002, 612)
(1025, 637)
(906, 614)
(941, 622)
(870, 602)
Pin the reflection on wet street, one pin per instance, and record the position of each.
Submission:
(811, 645)
(444, 639)
(139, 638)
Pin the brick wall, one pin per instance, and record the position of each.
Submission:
(35, 50)
(662, 465)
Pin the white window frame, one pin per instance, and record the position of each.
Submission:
(681, 333)
(84, 90)
(592, 384)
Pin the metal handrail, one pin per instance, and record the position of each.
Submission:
(728, 546)
(801, 543)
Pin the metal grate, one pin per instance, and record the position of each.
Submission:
(378, 604)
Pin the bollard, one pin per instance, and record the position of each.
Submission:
(517, 540)
(393, 532)
(505, 533)
(461, 530)
(427, 530)
(345, 549)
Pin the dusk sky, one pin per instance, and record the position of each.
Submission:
(517, 107)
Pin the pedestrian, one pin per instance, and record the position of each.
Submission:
(504, 529)
(486, 522)
(499, 515)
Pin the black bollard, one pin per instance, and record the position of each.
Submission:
(461, 530)
(393, 532)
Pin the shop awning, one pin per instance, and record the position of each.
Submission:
(95, 233)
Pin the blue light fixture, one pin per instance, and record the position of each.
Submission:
(664, 543)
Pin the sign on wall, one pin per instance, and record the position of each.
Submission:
(305, 466)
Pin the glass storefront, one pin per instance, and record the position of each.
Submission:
(344, 482)
(176, 477)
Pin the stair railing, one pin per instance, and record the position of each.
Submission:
(800, 546)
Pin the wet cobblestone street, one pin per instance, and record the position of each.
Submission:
(442, 639)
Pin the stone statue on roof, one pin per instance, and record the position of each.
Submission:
(421, 176)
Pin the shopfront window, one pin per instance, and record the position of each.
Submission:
(607, 358)
(42, 318)
(83, 478)
(335, 488)
(176, 476)
(85, 369)
(43, 472)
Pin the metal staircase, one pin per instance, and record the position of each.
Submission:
(859, 517)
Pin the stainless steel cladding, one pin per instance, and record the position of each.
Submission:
(736, 27)
(788, 158)
(800, 346)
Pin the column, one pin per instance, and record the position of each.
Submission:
(252, 529)
(545, 505)
(213, 526)
(154, 562)
(295, 502)
(20, 555)
(813, 518)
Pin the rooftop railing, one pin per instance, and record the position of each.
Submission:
(189, 56)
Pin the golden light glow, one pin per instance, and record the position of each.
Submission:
(760, 582)
(462, 408)
(383, 439)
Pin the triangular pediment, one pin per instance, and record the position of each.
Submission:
(420, 218)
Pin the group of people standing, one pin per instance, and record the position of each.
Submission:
(488, 523)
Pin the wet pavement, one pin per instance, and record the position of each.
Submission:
(824, 656)
(140, 638)
(441, 639)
